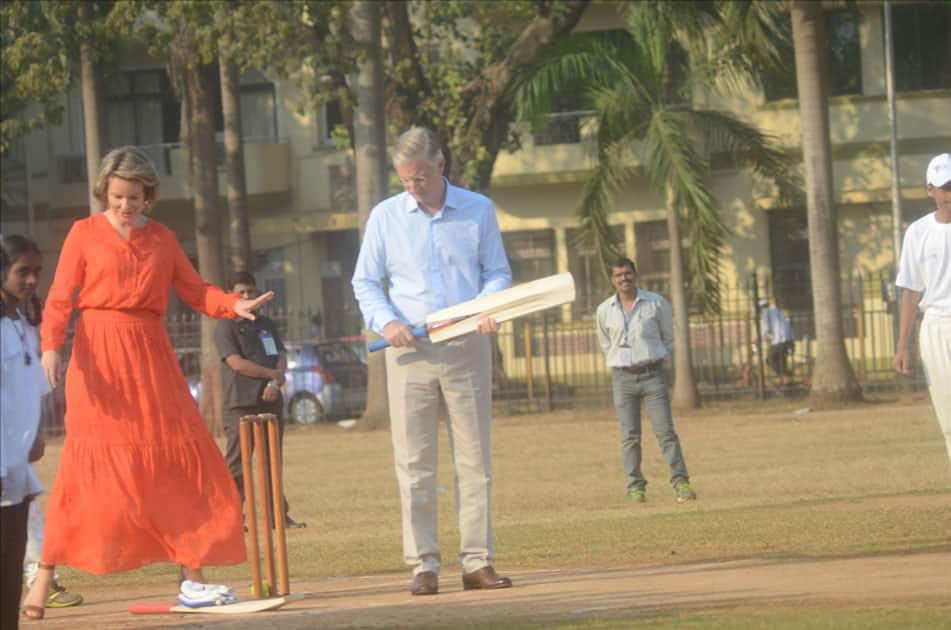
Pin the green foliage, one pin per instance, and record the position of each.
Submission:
(461, 51)
(435, 61)
(157, 24)
(40, 59)
(307, 42)
(640, 83)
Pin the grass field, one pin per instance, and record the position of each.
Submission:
(771, 483)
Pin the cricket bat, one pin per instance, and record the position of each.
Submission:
(238, 608)
(502, 306)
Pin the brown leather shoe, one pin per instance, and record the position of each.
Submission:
(486, 578)
(425, 583)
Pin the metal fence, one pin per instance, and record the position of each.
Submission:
(549, 362)
(553, 361)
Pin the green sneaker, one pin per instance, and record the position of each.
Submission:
(637, 496)
(59, 597)
(685, 492)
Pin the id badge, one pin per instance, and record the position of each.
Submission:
(624, 355)
(270, 348)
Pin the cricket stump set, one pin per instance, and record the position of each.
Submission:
(260, 431)
(257, 431)
(260, 442)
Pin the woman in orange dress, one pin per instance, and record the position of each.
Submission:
(140, 479)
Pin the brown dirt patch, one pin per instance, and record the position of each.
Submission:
(383, 600)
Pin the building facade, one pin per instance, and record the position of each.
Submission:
(304, 224)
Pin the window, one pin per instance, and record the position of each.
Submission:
(341, 315)
(258, 113)
(143, 111)
(563, 124)
(272, 276)
(591, 279)
(343, 187)
(563, 127)
(789, 258)
(653, 256)
(531, 254)
(331, 115)
(922, 40)
(843, 58)
(72, 169)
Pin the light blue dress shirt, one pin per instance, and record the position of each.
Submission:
(648, 330)
(775, 326)
(412, 263)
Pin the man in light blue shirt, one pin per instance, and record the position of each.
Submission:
(777, 332)
(636, 331)
(433, 246)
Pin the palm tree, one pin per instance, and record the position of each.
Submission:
(833, 379)
(639, 83)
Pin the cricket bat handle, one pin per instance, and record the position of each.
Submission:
(379, 344)
(150, 609)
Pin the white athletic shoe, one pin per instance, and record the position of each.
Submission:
(197, 595)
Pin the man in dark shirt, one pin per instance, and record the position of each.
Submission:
(254, 360)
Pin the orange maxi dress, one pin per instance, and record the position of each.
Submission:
(140, 478)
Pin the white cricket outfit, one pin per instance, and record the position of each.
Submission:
(22, 385)
(925, 267)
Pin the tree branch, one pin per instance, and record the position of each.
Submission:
(488, 121)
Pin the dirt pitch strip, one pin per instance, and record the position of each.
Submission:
(378, 601)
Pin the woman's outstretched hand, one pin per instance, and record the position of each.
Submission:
(245, 308)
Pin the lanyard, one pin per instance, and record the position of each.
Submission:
(627, 320)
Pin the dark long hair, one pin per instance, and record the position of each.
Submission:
(11, 248)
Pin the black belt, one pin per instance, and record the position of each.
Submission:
(643, 368)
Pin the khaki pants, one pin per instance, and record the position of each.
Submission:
(419, 380)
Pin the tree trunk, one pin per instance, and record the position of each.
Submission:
(93, 120)
(685, 395)
(204, 165)
(239, 230)
(833, 379)
(369, 134)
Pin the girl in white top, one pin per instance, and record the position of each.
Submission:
(22, 384)
(924, 274)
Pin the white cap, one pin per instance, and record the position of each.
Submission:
(763, 302)
(939, 170)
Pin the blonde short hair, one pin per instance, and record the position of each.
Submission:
(417, 143)
(128, 163)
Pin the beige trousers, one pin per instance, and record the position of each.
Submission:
(934, 342)
(419, 379)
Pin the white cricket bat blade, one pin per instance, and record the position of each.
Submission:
(239, 608)
(503, 306)
(559, 284)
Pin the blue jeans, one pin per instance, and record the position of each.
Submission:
(651, 388)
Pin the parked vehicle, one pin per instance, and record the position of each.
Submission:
(358, 343)
(324, 380)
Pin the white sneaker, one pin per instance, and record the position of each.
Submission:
(197, 595)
